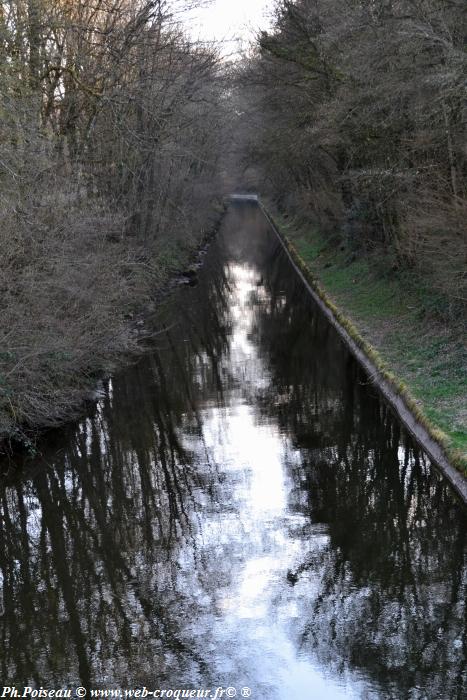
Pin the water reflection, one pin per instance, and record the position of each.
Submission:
(239, 509)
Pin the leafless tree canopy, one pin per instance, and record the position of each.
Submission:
(109, 147)
(351, 113)
(356, 119)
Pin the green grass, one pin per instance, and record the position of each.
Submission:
(393, 316)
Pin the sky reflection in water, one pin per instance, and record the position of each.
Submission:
(239, 509)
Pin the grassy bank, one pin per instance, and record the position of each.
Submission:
(422, 354)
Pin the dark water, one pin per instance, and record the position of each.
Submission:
(239, 509)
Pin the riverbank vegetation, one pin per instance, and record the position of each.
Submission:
(354, 124)
(423, 357)
(110, 135)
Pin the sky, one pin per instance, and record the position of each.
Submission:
(227, 20)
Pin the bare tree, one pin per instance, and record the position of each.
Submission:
(109, 149)
(360, 109)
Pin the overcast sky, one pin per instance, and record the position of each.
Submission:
(227, 20)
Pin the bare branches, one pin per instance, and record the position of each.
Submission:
(360, 109)
(109, 149)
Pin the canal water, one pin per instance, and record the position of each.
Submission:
(238, 510)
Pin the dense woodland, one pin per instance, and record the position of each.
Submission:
(355, 118)
(110, 124)
(350, 115)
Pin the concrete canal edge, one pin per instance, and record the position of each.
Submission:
(400, 401)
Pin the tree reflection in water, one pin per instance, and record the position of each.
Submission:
(121, 545)
(392, 589)
(87, 540)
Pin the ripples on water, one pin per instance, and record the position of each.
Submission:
(238, 509)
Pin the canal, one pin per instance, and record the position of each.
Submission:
(239, 509)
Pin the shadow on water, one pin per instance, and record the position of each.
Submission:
(240, 509)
